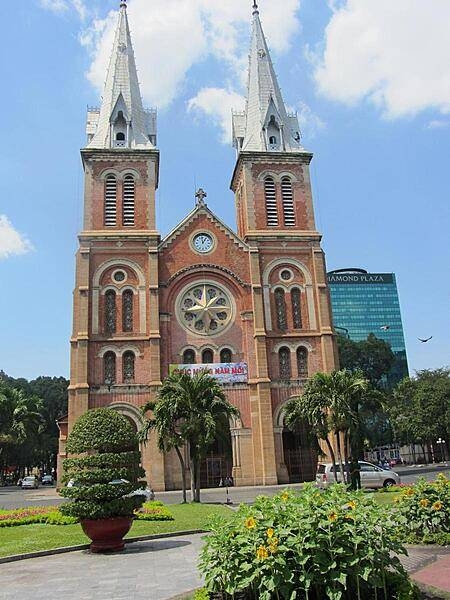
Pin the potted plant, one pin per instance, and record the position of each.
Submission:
(103, 478)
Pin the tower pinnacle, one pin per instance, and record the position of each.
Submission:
(265, 124)
(122, 121)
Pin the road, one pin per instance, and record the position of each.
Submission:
(13, 497)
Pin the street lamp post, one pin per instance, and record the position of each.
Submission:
(441, 443)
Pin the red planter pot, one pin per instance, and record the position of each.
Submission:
(107, 534)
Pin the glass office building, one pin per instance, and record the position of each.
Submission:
(364, 303)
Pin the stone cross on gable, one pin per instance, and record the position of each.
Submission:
(201, 195)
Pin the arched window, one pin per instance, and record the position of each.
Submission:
(120, 137)
(287, 196)
(110, 216)
(110, 312)
(207, 357)
(280, 308)
(273, 140)
(296, 300)
(129, 188)
(284, 357)
(302, 362)
(271, 202)
(109, 368)
(127, 310)
(128, 360)
(189, 357)
(226, 355)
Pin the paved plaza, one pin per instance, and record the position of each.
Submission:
(152, 570)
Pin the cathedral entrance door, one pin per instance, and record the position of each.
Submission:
(300, 456)
(218, 463)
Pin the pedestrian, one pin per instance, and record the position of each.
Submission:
(355, 474)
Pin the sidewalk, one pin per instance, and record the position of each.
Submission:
(158, 570)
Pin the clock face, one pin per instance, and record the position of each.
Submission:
(203, 242)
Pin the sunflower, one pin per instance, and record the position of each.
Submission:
(270, 533)
(285, 496)
(250, 523)
(409, 492)
(424, 503)
(333, 516)
(262, 553)
(437, 505)
(352, 504)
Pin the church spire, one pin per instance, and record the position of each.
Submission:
(122, 121)
(265, 124)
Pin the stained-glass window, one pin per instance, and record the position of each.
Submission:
(127, 310)
(189, 357)
(109, 368)
(207, 357)
(128, 367)
(302, 362)
(110, 312)
(284, 356)
(280, 308)
(296, 308)
(226, 355)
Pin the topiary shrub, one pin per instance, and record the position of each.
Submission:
(106, 473)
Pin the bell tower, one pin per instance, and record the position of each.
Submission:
(275, 217)
(115, 344)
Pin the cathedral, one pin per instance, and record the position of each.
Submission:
(250, 304)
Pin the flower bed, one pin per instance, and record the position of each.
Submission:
(422, 512)
(49, 515)
(153, 511)
(334, 544)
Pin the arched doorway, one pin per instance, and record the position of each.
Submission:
(300, 454)
(217, 465)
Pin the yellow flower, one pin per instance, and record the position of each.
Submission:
(352, 504)
(270, 533)
(437, 505)
(285, 496)
(349, 517)
(250, 523)
(424, 503)
(262, 553)
(273, 548)
(409, 492)
(332, 516)
(396, 499)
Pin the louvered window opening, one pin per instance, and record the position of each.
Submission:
(128, 200)
(127, 310)
(280, 308)
(110, 201)
(128, 360)
(302, 363)
(109, 368)
(287, 195)
(296, 308)
(271, 202)
(285, 363)
(110, 312)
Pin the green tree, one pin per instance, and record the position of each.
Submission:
(197, 410)
(330, 404)
(373, 357)
(420, 408)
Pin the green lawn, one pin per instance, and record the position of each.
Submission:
(385, 497)
(32, 538)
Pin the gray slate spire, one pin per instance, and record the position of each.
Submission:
(121, 121)
(265, 125)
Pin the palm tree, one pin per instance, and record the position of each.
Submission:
(330, 405)
(190, 410)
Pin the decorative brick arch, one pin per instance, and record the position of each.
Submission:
(129, 411)
(119, 262)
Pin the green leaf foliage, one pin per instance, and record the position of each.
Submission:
(310, 546)
(103, 430)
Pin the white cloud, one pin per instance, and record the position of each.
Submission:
(11, 241)
(310, 123)
(217, 104)
(438, 124)
(395, 54)
(170, 36)
(62, 6)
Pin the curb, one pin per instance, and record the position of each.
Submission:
(64, 550)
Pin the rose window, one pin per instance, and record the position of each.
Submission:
(205, 309)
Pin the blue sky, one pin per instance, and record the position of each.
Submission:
(374, 105)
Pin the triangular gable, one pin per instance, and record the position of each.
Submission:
(199, 210)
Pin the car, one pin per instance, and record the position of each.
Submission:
(372, 477)
(147, 492)
(30, 483)
(47, 480)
